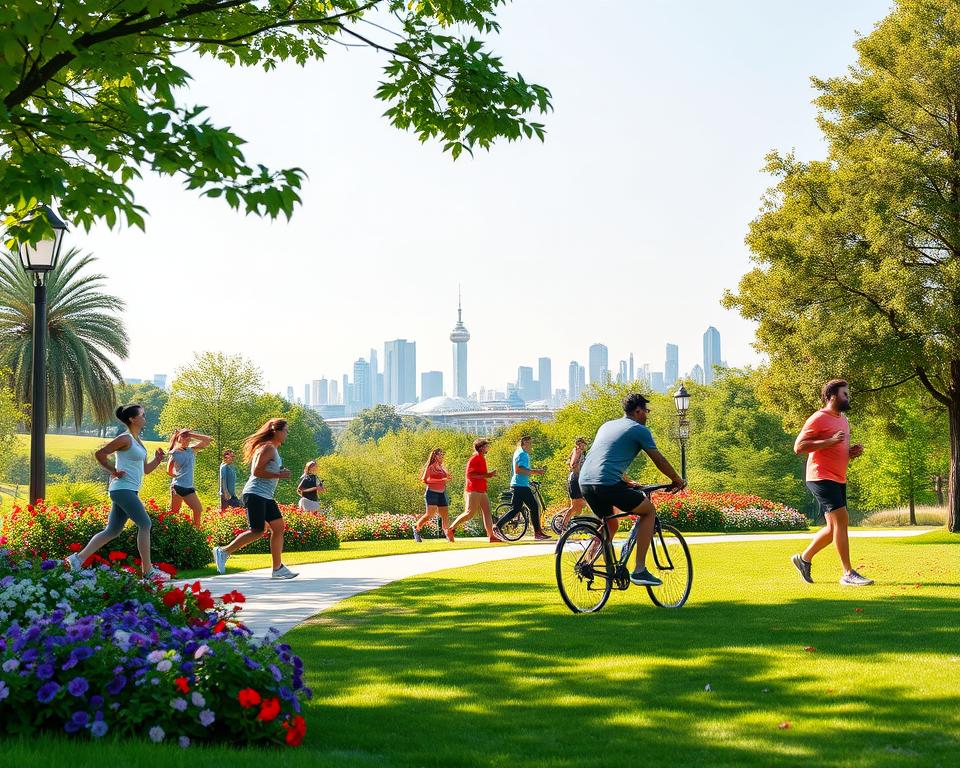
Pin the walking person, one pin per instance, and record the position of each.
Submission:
(436, 501)
(308, 487)
(126, 476)
(577, 456)
(605, 485)
(228, 481)
(522, 494)
(261, 449)
(181, 461)
(825, 438)
(475, 492)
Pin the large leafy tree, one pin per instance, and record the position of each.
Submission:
(94, 92)
(85, 335)
(858, 256)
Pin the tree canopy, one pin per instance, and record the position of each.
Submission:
(93, 93)
(858, 255)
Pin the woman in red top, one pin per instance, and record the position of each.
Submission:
(435, 476)
(475, 491)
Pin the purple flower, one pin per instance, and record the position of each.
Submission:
(47, 692)
(156, 734)
(116, 685)
(80, 718)
(98, 729)
(11, 665)
(285, 693)
(178, 704)
(78, 686)
(206, 718)
(184, 741)
(44, 671)
(96, 701)
(251, 663)
(275, 671)
(4, 691)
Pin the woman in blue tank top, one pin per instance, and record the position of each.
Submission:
(126, 476)
(266, 470)
(181, 459)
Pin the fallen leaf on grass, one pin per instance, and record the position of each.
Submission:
(809, 648)
(858, 610)
(784, 725)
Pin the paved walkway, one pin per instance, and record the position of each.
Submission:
(284, 604)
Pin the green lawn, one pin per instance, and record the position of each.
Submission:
(67, 447)
(483, 666)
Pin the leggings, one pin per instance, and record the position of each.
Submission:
(126, 506)
(522, 495)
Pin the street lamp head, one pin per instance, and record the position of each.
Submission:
(681, 399)
(42, 256)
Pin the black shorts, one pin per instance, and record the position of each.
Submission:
(830, 494)
(436, 499)
(260, 511)
(183, 491)
(603, 498)
(573, 487)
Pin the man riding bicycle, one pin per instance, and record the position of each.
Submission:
(603, 482)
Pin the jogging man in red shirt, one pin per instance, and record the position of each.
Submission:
(475, 491)
(825, 438)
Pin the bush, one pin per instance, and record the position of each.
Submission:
(98, 651)
(387, 527)
(901, 517)
(51, 531)
(693, 511)
(305, 531)
(83, 493)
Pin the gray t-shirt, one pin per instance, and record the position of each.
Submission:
(228, 480)
(183, 463)
(615, 447)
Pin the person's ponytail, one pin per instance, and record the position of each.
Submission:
(125, 413)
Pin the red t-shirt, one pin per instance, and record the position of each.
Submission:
(827, 463)
(477, 465)
(436, 478)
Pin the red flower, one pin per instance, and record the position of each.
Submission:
(183, 685)
(269, 710)
(234, 597)
(75, 547)
(248, 697)
(296, 730)
(219, 627)
(116, 555)
(173, 597)
(204, 600)
(167, 568)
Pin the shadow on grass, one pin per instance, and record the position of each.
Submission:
(496, 678)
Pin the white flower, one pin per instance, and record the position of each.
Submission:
(155, 656)
(156, 734)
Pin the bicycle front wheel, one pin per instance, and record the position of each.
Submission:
(556, 523)
(584, 573)
(514, 529)
(670, 561)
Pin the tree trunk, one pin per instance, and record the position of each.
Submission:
(953, 413)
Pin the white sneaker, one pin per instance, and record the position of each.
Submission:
(73, 562)
(155, 574)
(220, 558)
(854, 579)
(283, 573)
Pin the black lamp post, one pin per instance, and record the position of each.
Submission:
(681, 399)
(38, 259)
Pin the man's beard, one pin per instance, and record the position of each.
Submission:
(843, 406)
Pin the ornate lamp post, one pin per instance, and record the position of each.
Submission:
(681, 399)
(38, 259)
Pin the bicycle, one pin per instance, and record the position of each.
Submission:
(588, 568)
(516, 528)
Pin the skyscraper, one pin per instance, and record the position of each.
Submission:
(160, 380)
(323, 392)
(361, 385)
(315, 394)
(431, 384)
(599, 373)
(671, 368)
(306, 395)
(622, 373)
(334, 394)
(527, 386)
(400, 371)
(630, 372)
(459, 336)
(711, 353)
(656, 381)
(573, 380)
(545, 368)
(290, 395)
(696, 373)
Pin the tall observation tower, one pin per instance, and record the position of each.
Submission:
(459, 336)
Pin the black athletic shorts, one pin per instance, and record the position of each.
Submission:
(830, 494)
(182, 491)
(260, 511)
(573, 487)
(436, 498)
(603, 498)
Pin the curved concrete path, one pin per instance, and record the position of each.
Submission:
(284, 604)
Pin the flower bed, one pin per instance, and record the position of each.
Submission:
(99, 652)
(305, 531)
(696, 511)
(386, 526)
(42, 531)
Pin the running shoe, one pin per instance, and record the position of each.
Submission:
(804, 567)
(854, 579)
(283, 573)
(73, 563)
(416, 535)
(155, 574)
(644, 579)
(542, 537)
(448, 532)
(220, 558)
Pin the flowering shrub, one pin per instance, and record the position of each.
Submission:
(42, 530)
(386, 526)
(696, 511)
(99, 652)
(305, 531)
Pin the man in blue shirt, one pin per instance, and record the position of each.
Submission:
(228, 482)
(605, 485)
(522, 494)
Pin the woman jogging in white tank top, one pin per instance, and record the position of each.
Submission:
(266, 470)
(126, 477)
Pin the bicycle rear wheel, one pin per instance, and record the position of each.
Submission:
(514, 529)
(669, 560)
(584, 573)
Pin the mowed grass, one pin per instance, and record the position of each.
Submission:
(67, 447)
(483, 666)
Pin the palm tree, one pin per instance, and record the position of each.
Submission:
(85, 333)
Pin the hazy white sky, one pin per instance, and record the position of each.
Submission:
(625, 227)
